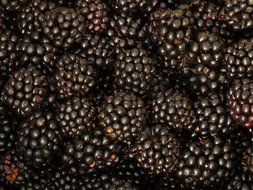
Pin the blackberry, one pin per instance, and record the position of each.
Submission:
(207, 49)
(13, 5)
(241, 181)
(31, 16)
(172, 31)
(12, 170)
(8, 56)
(165, 182)
(95, 13)
(25, 91)
(123, 30)
(64, 27)
(121, 185)
(157, 150)
(38, 52)
(134, 70)
(38, 140)
(200, 80)
(98, 49)
(240, 102)
(133, 6)
(173, 109)
(75, 115)
(207, 14)
(8, 125)
(237, 14)
(206, 163)
(35, 182)
(63, 180)
(212, 116)
(122, 117)
(238, 59)
(74, 75)
(90, 152)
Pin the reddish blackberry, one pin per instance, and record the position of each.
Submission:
(133, 6)
(13, 5)
(212, 116)
(74, 75)
(31, 16)
(207, 49)
(99, 50)
(123, 117)
(95, 13)
(90, 152)
(12, 170)
(240, 99)
(75, 115)
(237, 14)
(38, 139)
(241, 181)
(123, 30)
(200, 80)
(25, 91)
(172, 31)
(8, 56)
(38, 52)
(238, 59)
(64, 27)
(206, 163)
(157, 150)
(174, 109)
(134, 70)
(7, 128)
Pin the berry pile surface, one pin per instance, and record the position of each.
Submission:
(126, 95)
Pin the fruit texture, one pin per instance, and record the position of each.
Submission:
(75, 115)
(25, 91)
(74, 75)
(122, 117)
(240, 102)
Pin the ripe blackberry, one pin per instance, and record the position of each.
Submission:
(134, 70)
(123, 30)
(89, 152)
(165, 182)
(157, 150)
(123, 117)
(8, 56)
(25, 91)
(133, 6)
(7, 128)
(240, 102)
(207, 14)
(247, 161)
(64, 27)
(99, 50)
(63, 180)
(13, 5)
(75, 115)
(38, 52)
(74, 75)
(174, 109)
(237, 14)
(172, 31)
(206, 163)
(200, 80)
(95, 13)
(207, 49)
(36, 182)
(212, 116)
(238, 59)
(241, 181)
(31, 16)
(121, 185)
(38, 140)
